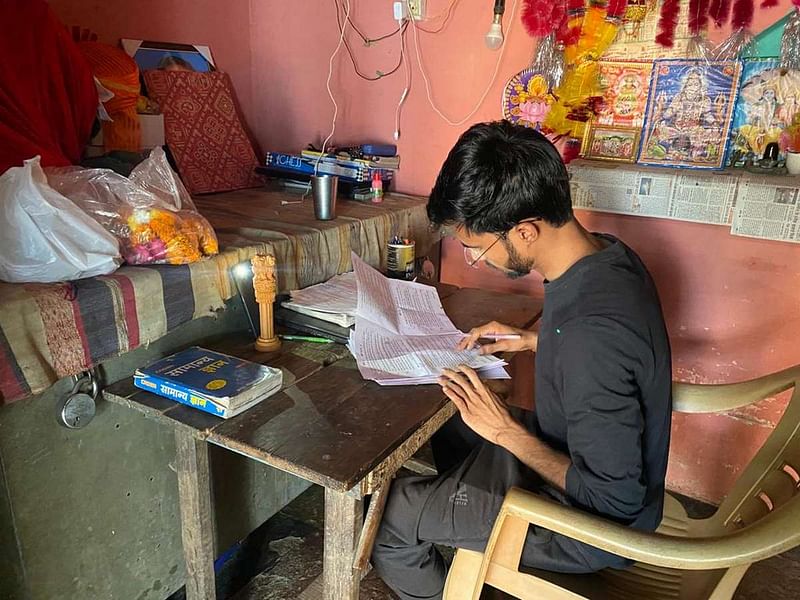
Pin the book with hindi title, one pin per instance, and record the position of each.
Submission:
(213, 382)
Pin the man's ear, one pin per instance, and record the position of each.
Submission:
(528, 231)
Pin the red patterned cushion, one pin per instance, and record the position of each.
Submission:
(204, 130)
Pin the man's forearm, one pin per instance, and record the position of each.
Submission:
(534, 453)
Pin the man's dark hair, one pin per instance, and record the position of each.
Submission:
(497, 175)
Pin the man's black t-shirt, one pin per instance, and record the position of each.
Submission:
(603, 385)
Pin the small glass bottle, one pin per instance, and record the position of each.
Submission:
(377, 188)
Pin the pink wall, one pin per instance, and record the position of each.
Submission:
(731, 303)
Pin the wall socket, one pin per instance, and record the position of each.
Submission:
(417, 9)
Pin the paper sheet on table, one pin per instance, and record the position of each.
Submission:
(402, 307)
(337, 295)
(404, 337)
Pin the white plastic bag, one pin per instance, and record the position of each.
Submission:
(45, 237)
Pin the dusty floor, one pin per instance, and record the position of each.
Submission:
(283, 556)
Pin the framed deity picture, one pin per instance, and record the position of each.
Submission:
(768, 100)
(612, 143)
(625, 86)
(689, 113)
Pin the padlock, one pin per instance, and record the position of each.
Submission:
(78, 408)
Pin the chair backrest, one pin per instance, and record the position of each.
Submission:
(772, 478)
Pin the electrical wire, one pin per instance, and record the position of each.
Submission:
(488, 87)
(407, 88)
(370, 41)
(380, 74)
(446, 13)
(328, 86)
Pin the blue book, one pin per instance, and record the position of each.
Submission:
(210, 381)
(353, 171)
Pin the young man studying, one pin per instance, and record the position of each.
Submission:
(599, 436)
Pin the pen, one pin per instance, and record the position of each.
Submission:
(305, 338)
(501, 336)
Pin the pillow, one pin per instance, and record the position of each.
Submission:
(204, 130)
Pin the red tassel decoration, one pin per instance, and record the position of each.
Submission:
(570, 30)
(560, 14)
(537, 17)
(719, 11)
(570, 151)
(742, 16)
(616, 9)
(698, 15)
(769, 3)
(668, 22)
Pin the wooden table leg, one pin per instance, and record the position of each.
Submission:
(197, 520)
(343, 519)
(367, 538)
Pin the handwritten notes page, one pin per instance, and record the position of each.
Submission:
(404, 337)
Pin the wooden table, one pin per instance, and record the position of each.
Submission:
(328, 425)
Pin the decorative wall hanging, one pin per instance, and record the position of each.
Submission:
(527, 100)
(790, 41)
(670, 9)
(548, 61)
(636, 40)
(688, 115)
(579, 94)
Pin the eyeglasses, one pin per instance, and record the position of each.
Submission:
(472, 256)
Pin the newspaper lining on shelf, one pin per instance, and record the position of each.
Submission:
(767, 211)
(694, 197)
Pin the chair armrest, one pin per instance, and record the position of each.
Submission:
(773, 534)
(694, 398)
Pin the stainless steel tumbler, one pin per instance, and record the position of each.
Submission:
(323, 187)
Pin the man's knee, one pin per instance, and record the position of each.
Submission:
(404, 505)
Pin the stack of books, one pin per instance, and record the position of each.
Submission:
(210, 381)
(356, 167)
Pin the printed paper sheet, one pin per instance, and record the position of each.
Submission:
(691, 197)
(403, 335)
(766, 210)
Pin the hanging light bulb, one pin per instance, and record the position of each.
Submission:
(494, 37)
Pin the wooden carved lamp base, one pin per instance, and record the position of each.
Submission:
(265, 287)
(268, 345)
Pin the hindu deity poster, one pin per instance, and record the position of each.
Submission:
(688, 118)
(612, 143)
(625, 86)
(527, 99)
(767, 102)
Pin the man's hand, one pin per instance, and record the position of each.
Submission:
(487, 415)
(527, 340)
(481, 409)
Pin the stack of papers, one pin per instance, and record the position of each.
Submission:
(333, 301)
(404, 337)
